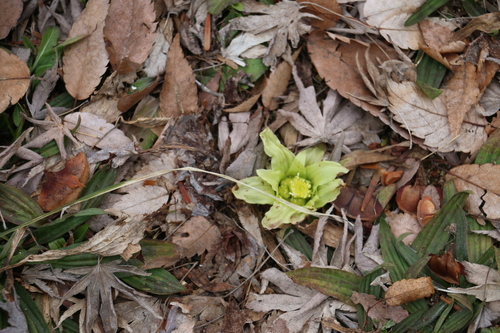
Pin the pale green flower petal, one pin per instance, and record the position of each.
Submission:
(281, 157)
(324, 172)
(311, 155)
(280, 214)
(328, 192)
(272, 177)
(252, 196)
(297, 167)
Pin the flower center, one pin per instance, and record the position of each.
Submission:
(295, 189)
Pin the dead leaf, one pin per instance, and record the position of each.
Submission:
(143, 200)
(487, 23)
(129, 33)
(461, 95)
(484, 182)
(85, 61)
(10, 11)
(14, 78)
(446, 267)
(486, 279)
(278, 24)
(437, 34)
(390, 18)
(196, 236)
(99, 284)
(407, 198)
(325, 126)
(336, 63)
(64, 186)
(16, 317)
(404, 223)
(42, 92)
(427, 119)
(157, 60)
(325, 10)
(377, 309)
(38, 274)
(405, 291)
(179, 95)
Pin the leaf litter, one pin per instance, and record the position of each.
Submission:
(163, 93)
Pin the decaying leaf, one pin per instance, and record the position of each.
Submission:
(446, 267)
(486, 279)
(38, 274)
(487, 23)
(404, 291)
(14, 78)
(484, 182)
(10, 11)
(85, 61)
(325, 126)
(378, 310)
(427, 119)
(16, 317)
(179, 95)
(404, 223)
(99, 284)
(281, 22)
(129, 33)
(143, 200)
(196, 236)
(390, 17)
(64, 186)
(325, 10)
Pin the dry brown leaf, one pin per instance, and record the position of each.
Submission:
(196, 236)
(437, 37)
(129, 33)
(378, 310)
(179, 95)
(405, 291)
(10, 11)
(336, 63)
(326, 10)
(484, 182)
(404, 223)
(14, 79)
(427, 119)
(461, 95)
(446, 267)
(85, 61)
(64, 186)
(486, 23)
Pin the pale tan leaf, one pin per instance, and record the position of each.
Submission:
(197, 235)
(14, 79)
(427, 119)
(461, 95)
(129, 33)
(143, 200)
(484, 182)
(179, 95)
(85, 61)
(437, 36)
(487, 23)
(10, 11)
(377, 309)
(328, 12)
(390, 16)
(404, 291)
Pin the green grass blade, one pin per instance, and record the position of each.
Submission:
(428, 8)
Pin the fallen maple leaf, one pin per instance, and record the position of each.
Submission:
(325, 126)
(64, 186)
(179, 94)
(98, 285)
(281, 22)
(14, 79)
(129, 33)
(404, 291)
(85, 61)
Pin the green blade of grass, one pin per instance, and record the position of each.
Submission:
(428, 8)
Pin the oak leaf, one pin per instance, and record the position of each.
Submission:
(64, 186)
(405, 291)
(85, 61)
(179, 95)
(129, 33)
(14, 79)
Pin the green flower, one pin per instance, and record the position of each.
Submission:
(304, 180)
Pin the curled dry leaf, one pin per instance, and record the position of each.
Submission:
(405, 291)
(85, 61)
(129, 33)
(14, 79)
(64, 186)
(446, 267)
(179, 94)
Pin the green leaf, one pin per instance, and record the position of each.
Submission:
(160, 282)
(434, 236)
(428, 8)
(490, 151)
(34, 317)
(46, 57)
(430, 75)
(152, 249)
(215, 7)
(252, 196)
(330, 281)
(281, 157)
(297, 240)
(16, 206)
